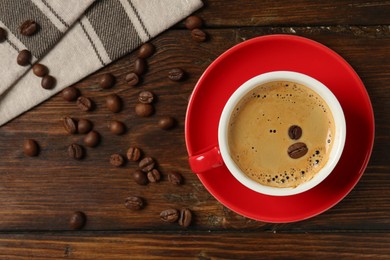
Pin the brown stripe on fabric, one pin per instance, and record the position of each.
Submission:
(92, 43)
(14, 13)
(114, 28)
(13, 45)
(55, 14)
(139, 19)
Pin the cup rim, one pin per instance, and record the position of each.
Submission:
(316, 86)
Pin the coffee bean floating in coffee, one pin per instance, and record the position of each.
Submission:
(84, 126)
(76, 151)
(92, 139)
(147, 164)
(134, 203)
(132, 79)
(70, 125)
(30, 147)
(146, 50)
(297, 150)
(169, 215)
(117, 160)
(154, 175)
(176, 74)
(198, 35)
(48, 82)
(140, 177)
(140, 66)
(193, 22)
(29, 28)
(3, 34)
(106, 81)
(146, 97)
(77, 220)
(84, 104)
(185, 217)
(114, 103)
(144, 110)
(24, 58)
(166, 123)
(40, 70)
(295, 132)
(70, 94)
(175, 178)
(117, 127)
(134, 154)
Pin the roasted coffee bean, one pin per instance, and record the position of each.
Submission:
(140, 66)
(40, 70)
(24, 58)
(132, 79)
(117, 160)
(193, 22)
(48, 82)
(134, 154)
(76, 151)
(77, 220)
(154, 175)
(166, 122)
(70, 125)
(84, 126)
(84, 103)
(117, 127)
(70, 94)
(144, 110)
(176, 74)
(185, 217)
(106, 80)
(145, 97)
(147, 164)
(175, 178)
(146, 50)
(295, 132)
(92, 139)
(30, 147)
(140, 177)
(29, 28)
(114, 103)
(198, 35)
(134, 203)
(3, 35)
(169, 215)
(297, 150)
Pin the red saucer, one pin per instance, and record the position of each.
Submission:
(271, 53)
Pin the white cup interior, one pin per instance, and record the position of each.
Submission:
(316, 86)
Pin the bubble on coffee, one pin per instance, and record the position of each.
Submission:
(258, 133)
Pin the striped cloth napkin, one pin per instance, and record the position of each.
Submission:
(107, 30)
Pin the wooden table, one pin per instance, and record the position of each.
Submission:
(38, 195)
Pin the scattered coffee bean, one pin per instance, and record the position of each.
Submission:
(134, 203)
(40, 70)
(3, 34)
(29, 28)
(185, 217)
(114, 103)
(76, 151)
(134, 154)
(24, 58)
(140, 177)
(30, 147)
(297, 150)
(169, 215)
(193, 22)
(146, 50)
(166, 123)
(139, 66)
(77, 220)
(146, 164)
(146, 97)
(84, 126)
(117, 160)
(48, 82)
(117, 127)
(198, 35)
(92, 139)
(106, 80)
(70, 94)
(176, 74)
(175, 178)
(132, 79)
(144, 110)
(84, 103)
(154, 175)
(295, 132)
(70, 125)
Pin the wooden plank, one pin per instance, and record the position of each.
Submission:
(40, 193)
(225, 245)
(222, 13)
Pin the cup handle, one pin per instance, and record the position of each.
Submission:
(206, 161)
